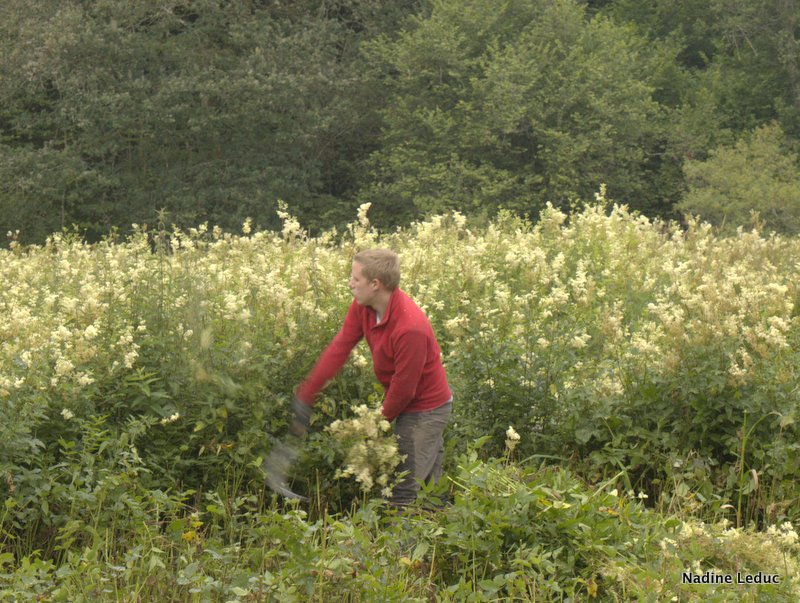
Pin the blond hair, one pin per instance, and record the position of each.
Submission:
(381, 264)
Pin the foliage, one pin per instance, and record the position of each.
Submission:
(694, 26)
(512, 106)
(744, 54)
(758, 175)
(113, 110)
(682, 378)
(758, 74)
(140, 377)
(512, 532)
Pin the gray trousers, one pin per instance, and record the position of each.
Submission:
(419, 437)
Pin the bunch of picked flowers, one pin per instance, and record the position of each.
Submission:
(369, 446)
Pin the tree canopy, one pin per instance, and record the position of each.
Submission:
(216, 110)
(513, 105)
(759, 174)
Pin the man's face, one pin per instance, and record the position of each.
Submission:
(363, 290)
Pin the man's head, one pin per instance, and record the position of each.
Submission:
(376, 272)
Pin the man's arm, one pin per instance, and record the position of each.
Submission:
(410, 355)
(333, 358)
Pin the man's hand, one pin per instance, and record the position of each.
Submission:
(301, 418)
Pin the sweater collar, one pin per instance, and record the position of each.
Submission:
(393, 301)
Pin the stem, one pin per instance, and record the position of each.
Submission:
(745, 436)
(741, 471)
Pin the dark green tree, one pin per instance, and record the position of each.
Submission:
(757, 71)
(111, 110)
(514, 104)
(746, 52)
(737, 68)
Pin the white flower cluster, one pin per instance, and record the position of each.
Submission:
(555, 291)
(512, 438)
(291, 226)
(170, 419)
(370, 449)
(362, 214)
(691, 529)
(784, 534)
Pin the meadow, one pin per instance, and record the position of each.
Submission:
(625, 414)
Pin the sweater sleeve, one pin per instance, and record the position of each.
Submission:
(410, 357)
(333, 358)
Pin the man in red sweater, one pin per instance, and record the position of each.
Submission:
(407, 362)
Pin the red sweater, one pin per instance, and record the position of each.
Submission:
(405, 354)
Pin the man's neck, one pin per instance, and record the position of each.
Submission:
(381, 303)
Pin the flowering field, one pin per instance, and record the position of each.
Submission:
(625, 411)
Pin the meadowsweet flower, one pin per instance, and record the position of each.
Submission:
(538, 290)
(130, 358)
(667, 545)
(691, 529)
(784, 534)
(170, 419)
(61, 333)
(512, 438)
(85, 379)
(580, 341)
(64, 366)
(370, 451)
(291, 227)
(788, 534)
(67, 414)
(362, 214)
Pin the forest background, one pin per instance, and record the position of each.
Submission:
(215, 110)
